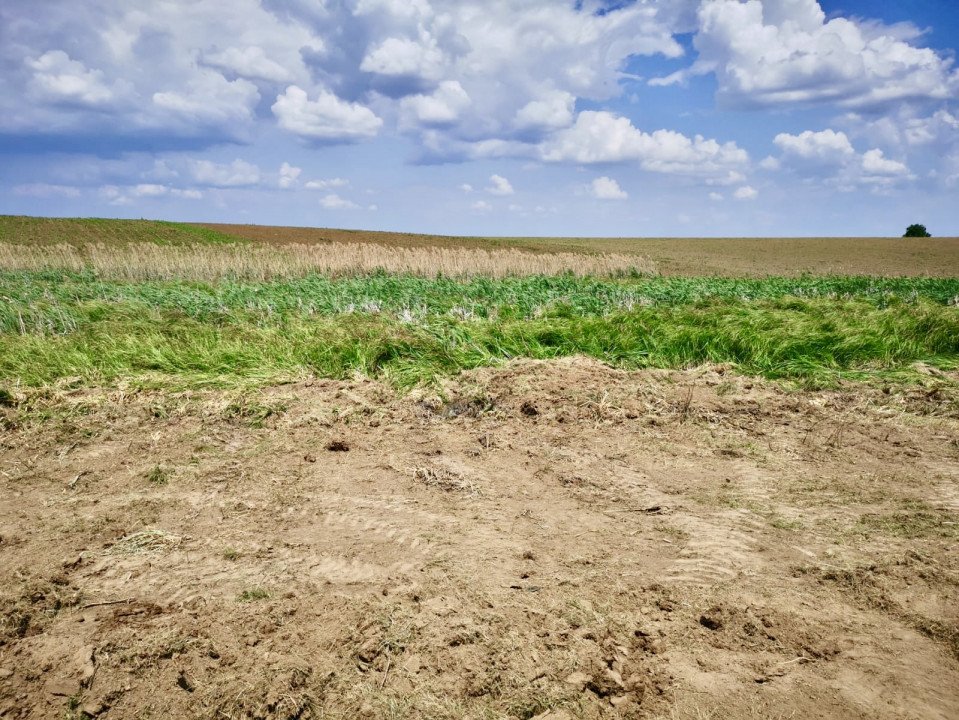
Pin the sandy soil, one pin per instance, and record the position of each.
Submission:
(550, 540)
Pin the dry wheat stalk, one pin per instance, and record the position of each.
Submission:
(147, 261)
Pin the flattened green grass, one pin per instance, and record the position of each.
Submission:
(412, 330)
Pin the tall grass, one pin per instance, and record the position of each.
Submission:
(56, 302)
(231, 333)
(210, 262)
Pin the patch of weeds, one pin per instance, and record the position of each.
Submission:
(253, 411)
(911, 524)
(672, 531)
(73, 711)
(870, 586)
(725, 387)
(253, 595)
(231, 554)
(159, 475)
(576, 614)
(445, 480)
(159, 411)
(784, 524)
(729, 500)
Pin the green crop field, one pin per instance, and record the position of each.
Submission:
(57, 323)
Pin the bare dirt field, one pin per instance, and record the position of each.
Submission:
(550, 540)
(691, 257)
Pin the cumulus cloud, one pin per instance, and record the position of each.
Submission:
(481, 206)
(204, 59)
(825, 147)
(335, 202)
(289, 175)
(60, 79)
(236, 174)
(149, 190)
(209, 98)
(130, 194)
(785, 52)
(499, 186)
(874, 163)
(444, 106)
(323, 184)
(906, 127)
(829, 156)
(552, 111)
(603, 137)
(405, 56)
(522, 65)
(326, 118)
(746, 193)
(250, 62)
(605, 188)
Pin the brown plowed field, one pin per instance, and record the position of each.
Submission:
(550, 540)
(694, 257)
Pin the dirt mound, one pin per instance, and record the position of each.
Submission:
(550, 540)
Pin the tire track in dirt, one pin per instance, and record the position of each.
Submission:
(356, 541)
(381, 547)
(719, 549)
(722, 546)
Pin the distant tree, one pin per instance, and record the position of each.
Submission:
(917, 231)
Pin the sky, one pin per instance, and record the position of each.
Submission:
(622, 118)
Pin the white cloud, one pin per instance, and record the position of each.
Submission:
(605, 188)
(405, 56)
(187, 194)
(149, 190)
(466, 187)
(289, 175)
(209, 98)
(237, 174)
(924, 131)
(335, 202)
(551, 112)
(500, 186)
(829, 156)
(602, 137)
(444, 106)
(769, 163)
(113, 195)
(43, 190)
(716, 196)
(250, 62)
(745, 193)
(326, 118)
(827, 146)
(874, 163)
(323, 184)
(481, 206)
(783, 52)
(59, 78)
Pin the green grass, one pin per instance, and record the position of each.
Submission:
(21, 230)
(56, 325)
(54, 302)
(411, 330)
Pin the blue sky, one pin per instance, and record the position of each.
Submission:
(510, 117)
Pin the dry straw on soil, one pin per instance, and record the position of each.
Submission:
(148, 261)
